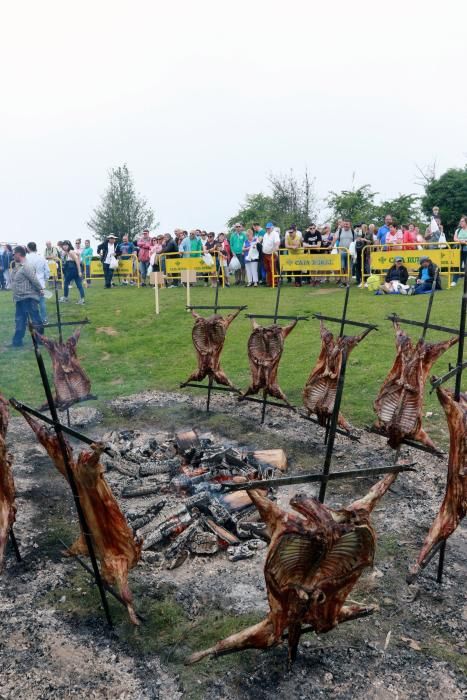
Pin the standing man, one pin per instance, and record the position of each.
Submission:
(271, 243)
(196, 245)
(384, 230)
(86, 258)
(109, 252)
(41, 268)
(144, 253)
(184, 244)
(27, 291)
(345, 236)
(237, 241)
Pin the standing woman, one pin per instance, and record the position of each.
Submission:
(251, 256)
(71, 271)
(460, 236)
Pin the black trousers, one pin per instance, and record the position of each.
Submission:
(108, 274)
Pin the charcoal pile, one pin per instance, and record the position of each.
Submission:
(173, 492)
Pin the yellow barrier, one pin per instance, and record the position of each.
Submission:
(380, 258)
(304, 263)
(128, 269)
(55, 272)
(172, 264)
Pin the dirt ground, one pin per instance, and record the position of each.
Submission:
(54, 642)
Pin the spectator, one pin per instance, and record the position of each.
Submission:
(460, 236)
(184, 244)
(251, 255)
(425, 276)
(312, 239)
(224, 255)
(211, 248)
(410, 238)
(3, 264)
(237, 241)
(373, 234)
(271, 242)
(394, 237)
(71, 272)
(78, 251)
(196, 246)
(203, 236)
(109, 251)
(7, 260)
(293, 243)
(360, 245)
(345, 236)
(327, 239)
(27, 291)
(41, 267)
(384, 230)
(155, 251)
(396, 278)
(86, 258)
(258, 230)
(144, 253)
(51, 251)
(259, 233)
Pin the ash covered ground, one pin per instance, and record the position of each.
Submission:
(53, 638)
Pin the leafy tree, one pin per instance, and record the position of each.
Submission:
(449, 193)
(357, 205)
(404, 209)
(291, 201)
(121, 211)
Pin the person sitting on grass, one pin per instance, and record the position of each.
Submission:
(425, 276)
(396, 278)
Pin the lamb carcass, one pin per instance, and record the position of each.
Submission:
(313, 562)
(319, 394)
(7, 486)
(399, 403)
(265, 347)
(113, 540)
(208, 338)
(71, 381)
(454, 506)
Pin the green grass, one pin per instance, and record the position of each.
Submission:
(149, 352)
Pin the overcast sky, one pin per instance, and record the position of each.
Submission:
(203, 99)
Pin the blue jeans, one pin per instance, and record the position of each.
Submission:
(423, 288)
(71, 275)
(462, 264)
(344, 262)
(143, 269)
(42, 309)
(26, 308)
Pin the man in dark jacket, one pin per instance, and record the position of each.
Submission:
(108, 252)
(396, 275)
(426, 274)
(169, 247)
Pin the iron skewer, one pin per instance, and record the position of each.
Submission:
(14, 544)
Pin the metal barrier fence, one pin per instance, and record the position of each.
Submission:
(377, 259)
(173, 267)
(303, 264)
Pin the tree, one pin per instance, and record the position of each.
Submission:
(449, 193)
(357, 205)
(404, 209)
(121, 211)
(291, 201)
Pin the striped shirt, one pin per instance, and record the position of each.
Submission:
(24, 283)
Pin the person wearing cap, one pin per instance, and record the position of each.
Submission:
(109, 251)
(71, 272)
(144, 253)
(271, 243)
(426, 274)
(396, 278)
(27, 291)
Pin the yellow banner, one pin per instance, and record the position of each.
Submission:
(382, 260)
(310, 263)
(53, 268)
(126, 267)
(96, 268)
(174, 265)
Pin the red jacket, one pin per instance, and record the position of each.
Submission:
(144, 245)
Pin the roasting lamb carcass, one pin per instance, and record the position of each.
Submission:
(454, 506)
(113, 540)
(265, 347)
(319, 394)
(7, 486)
(71, 382)
(313, 562)
(208, 338)
(399, 403)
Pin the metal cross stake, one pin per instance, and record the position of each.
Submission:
(70, 476)
(210, 387)
(14, 544)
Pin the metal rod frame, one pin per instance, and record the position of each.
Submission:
(421, 324)
(14, 544)
(407, 441)
(359, 324)
(71, 478)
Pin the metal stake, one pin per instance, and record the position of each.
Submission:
(15, 545)
(70, 476)
(457, 392)
(430, 304)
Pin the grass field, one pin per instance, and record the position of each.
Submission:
(127, 348)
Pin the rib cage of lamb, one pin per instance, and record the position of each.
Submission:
(7, 486)
(208, 338)
(71, 381)
(313, 562)
(319, 394)
(113, 540)
(265, 348)
(399, 403)
(454, 506)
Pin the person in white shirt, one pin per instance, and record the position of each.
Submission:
(271, 243)
(41, 268)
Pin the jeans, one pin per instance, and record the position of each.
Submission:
(88, 274)
(463, 263)
(26, 308)
(42, 310)
(71, 275)
(143, 269)
(108, 274)
(423, 288)
(344, 262)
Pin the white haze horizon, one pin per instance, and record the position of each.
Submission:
(203, 101)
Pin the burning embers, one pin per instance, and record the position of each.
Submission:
(190, 511)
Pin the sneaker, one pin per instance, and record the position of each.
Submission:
(360, 286)
(81, 301)
(63, 299)
(46, 322)
(453, 284)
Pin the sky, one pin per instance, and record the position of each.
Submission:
(204, 99)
